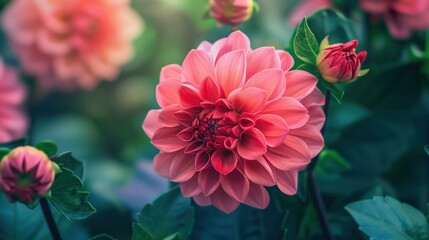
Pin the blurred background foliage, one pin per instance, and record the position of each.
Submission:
(379, 130)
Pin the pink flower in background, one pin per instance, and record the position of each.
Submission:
(72, 43)
(339, 62)
(306, 8)
(13, 122)
(26, 173)
(402, 16)
(231, 12)
(235, 120)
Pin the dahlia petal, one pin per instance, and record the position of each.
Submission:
(292, 154)
(312, 136)
(230, 70)
(202, 200)
(51, 44)
(216, 47)
(191, 187)
(162, 163)
(259, 172)
(208, 180)
(166, 116)
(189, 96)
(286, 60)
(205, 46)
(170, 71)
(306, 8)
(270, 80)
(375, 7)
(258, 197)
(409, 7)
(299, 84)
(287, 181)
(224, 161)
(397, 27)
(261, 59)
(186, 134)
(291, 110)
(235, 41)
(249, 100)
(317, 117)
(315, 98)
(210, 90)
(202, 160)
(182, 168)
(236, 185)
(196, 67)
(252, 144)
(223, 201)
(167, 92)
(165, 139)
(273, 127)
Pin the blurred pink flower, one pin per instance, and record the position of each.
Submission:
(26, 173)
(402, 16)
(235, 120)
(72, 43)
(231, 12)
(13, 122)
(339, 62)
(305, 8)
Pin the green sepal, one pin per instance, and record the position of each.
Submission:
(4, 152)
(68, 196)
(305, 43)
(337, 93)
(33, 204)
(48, 147)
(256, 7)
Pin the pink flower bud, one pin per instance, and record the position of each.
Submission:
(26, 173)
(231, 12)
(339, 62)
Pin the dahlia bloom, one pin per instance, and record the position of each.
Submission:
(231, 12)
(305, 8)
(234, 120)
(26, 173)
(13, 122)
(339, 62)
(402, 17)
(72, 43)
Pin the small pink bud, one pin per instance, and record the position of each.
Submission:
(339, 62)
(26, 173)
(231, 12)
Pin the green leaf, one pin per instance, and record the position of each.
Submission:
(66, 160)
(139, 233)
(336, 93)
(330, 22)
(427, 149)
(68, 197)
(305, 43)
(3, 152)
(48, 147)
(308, 68)
(103, 236)
(387, 218)
(168, 215)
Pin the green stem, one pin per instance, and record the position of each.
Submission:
(315, 194)
(50, 219)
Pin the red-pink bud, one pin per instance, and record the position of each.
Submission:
(26, 173)
(339, 62)
(231, 12)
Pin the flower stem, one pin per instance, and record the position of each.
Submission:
(50, 219)
(316, 196)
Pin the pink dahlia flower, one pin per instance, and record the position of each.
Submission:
(306, 8)
(13, 122)
(339, 62)
(72, 43)
(26, 173)
(402, 16)
(235, 120)
(231, 12)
